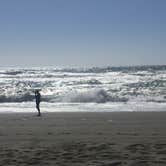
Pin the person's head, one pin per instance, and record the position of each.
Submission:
(36, 91)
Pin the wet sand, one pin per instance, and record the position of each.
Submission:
(82, 139)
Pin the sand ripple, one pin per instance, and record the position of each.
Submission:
(83, 153)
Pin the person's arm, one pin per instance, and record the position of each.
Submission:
(39, 97)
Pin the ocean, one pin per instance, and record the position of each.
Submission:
(106, 89)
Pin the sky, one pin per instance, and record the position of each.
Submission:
(82, 33)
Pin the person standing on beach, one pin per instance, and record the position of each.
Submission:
(38, 99)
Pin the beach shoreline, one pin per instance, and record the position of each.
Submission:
(83, 138)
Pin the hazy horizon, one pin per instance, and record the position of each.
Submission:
(82, 33)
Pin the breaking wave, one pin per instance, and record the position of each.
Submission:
(89, 85)
(96, 96)
(93, 96)
(19, 98)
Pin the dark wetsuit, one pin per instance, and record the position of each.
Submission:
(38, 99)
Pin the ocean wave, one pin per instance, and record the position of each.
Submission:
(156, 101)
(148, 84)
(120, 84)
(89, 82)
(93, 96)
(12, 72)
(96, 96)
(16, 98)
(125, 69)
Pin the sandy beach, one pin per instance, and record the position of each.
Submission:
(81, 139)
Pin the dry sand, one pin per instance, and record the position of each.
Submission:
(82, 139)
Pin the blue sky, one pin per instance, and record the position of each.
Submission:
(74, 33)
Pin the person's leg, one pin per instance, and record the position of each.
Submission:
(38, 108)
